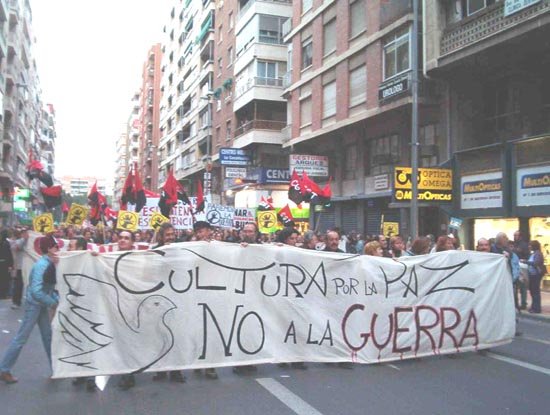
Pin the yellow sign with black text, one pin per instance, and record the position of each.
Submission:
(390, 229)
(434, 185)
(267, 221)
(157, 219)
(43, 223)
(77, 214)
(127, 221)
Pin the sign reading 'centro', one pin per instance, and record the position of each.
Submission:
(235, 157)
(433, 184)
(312, 165)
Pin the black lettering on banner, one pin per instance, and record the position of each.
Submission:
(262, 286)
(181, 291)
(408, 285)
(294, 285)
(241, 347)
(290, 332)
(129, 290)
(347, 289)
(322, 288)
(327, 335)
(226, 344)
(456, 268)
(388, 282)
(370, 289)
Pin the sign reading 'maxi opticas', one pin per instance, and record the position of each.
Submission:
(434, 185)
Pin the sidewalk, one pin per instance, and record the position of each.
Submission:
(545, 302)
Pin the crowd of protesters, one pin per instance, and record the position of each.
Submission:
(41, 297)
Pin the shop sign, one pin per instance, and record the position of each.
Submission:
(514, 6)
(434, 185)
(393, 88)
(235, 157)
(481, 191)
(316, 166)
(268, 175)
(533, 186)
(242, 216)
(381, 182)
(235, 172)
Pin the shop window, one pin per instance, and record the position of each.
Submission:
(397, 54)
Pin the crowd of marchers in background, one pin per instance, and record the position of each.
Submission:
(524, 258)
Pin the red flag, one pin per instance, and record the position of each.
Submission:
(97, 203)
(200, 198)
(139, 193)
(313, 193)
(265, 204)
(285, 216)
(169, 194)
(52, 195)
(64, 207)
(295, 188)
(111, 214)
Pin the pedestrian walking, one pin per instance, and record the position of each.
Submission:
(40, 299)
(536, 271)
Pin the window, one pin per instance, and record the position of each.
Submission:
(306, 5)
(220, 31)
(329, 99)
(269, 73)
(217, 137)
(193, 129)
(231, 22)
(229, 56)
(475, 5)
(358, 18)
(271, 29)
(307, 53)
(329, 37)
(220, 65)
(396, 54)
(228, 130)
(383, 154)
(350, 166)
(358, 86)
(305, 112)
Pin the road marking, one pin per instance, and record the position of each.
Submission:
(293, 401)
(526, 365)
(392, 366)
(533, 339)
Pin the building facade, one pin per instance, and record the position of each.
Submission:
(80, 186)
(149, 125)
(493, 58)
(349, 99)
(22, 123)
(249, 111)
(187, 77)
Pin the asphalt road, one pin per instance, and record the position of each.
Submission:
(512, 379)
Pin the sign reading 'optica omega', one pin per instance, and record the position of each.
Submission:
(433, 184)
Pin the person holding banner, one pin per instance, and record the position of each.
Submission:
(41, 297)
(203, 232)
(165, 236)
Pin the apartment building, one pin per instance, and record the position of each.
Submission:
(121, 167)
(80, 186)
(349, 96)
(493, 58)
(47, 139)
(187, 77)
(21, 122)
(249, 111)
(149, 114)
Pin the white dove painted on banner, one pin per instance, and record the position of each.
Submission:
(96, 338)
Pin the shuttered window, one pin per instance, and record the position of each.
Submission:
(358, 86)
(329, 99)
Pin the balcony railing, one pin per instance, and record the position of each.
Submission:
(251, 2)
(486, 23)
(258, 81)
(259, 125)
(287, 79)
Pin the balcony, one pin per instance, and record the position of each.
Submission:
(486, 24)
(257, 87)
(259, 125)
(287, 79)
(245, 5)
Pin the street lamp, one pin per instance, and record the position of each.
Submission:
(414, 126)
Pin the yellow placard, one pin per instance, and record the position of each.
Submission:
(157, 219)
(429, 179)
(127, 221)
(43, 223)
(390, 229)
(77, 214)
(267, 221)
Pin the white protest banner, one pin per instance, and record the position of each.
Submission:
(200, 305)
(180, 216)
(242, 216)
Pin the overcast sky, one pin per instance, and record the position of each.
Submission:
(90, 56)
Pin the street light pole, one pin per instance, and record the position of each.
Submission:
(414, 126)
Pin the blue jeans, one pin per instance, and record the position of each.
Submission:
(34, 314)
